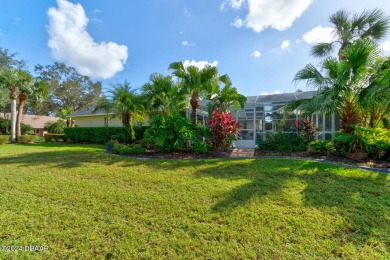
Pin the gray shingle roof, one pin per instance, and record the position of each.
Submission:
(89, 112)
(280, 97)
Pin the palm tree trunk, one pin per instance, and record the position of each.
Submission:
(22, 100)
(349, 115)
(195, 104)
(13, 98)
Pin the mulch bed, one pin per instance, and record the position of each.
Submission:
(180, 155)
(369, 162)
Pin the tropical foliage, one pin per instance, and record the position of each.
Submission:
(196, 83)
(162, 95)
(168, 133)
(223, 128)
(124, 102)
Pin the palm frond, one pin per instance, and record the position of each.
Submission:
(321, 50)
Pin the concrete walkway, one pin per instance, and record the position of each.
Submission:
(242, 153)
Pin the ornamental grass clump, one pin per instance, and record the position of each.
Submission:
(223, 129)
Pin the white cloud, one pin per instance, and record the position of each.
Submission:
(70, 42)
(256, 54)
(285, 44)
(271, 93)
(235, 4)
(277, 14)
(386, 48)
(199, 64)
(96, 11)
(238, 22)
(187, 43)
(319, 34)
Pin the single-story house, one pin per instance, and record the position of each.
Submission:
(36, 121)
(90, 118)
(261, 114)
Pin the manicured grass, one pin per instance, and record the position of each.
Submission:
(85, 204)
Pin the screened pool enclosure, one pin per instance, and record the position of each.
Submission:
(263, 113)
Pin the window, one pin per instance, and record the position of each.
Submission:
(105, 121)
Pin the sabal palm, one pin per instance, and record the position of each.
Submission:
(162, 94)
(196, 83)
(225, 97)
(375, 99)
(372, 25)
(38, 90)
(338, 83)
(124, 102)
(13, 79)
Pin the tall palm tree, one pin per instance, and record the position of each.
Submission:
(125, 103)
(225, 97)
(372, 25)
(37, 89)
(196, 83)
(338, 83)
(162, 94)
(13, 79)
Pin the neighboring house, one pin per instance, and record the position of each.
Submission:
(37, 122)
(89, 118)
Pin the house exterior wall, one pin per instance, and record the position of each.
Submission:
(100, 120)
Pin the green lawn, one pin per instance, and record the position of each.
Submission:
(85, 204)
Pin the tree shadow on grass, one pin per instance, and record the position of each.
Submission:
(361, 197)
(56, 155)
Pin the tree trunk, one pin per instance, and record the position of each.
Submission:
(22, 100)
(13, 98)
(349, 115)
(195, 104)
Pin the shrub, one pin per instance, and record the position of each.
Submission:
(26, 139)
(223, 128)
(26, 129)
(374, 141)
(5, 127)
(168, 133)
(4, 139)
(101, 135)
(344, 142)
(283, 142)
(306, 129)
(321, 147)
(124, 149)
(55, 127)
(121, 138)
(200, 147)
(54, 137)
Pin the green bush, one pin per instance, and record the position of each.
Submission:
(101, 135)
(4, 139)
(321, 147)
(5, 127)
(168, 133)
(124, 149)
(55, 127)
(283, 142)
(23, 139)
(374, 141)
(344, 142)
(54, 137)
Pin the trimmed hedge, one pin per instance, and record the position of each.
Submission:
(4, 139)
(54, 137)
(26, 139)
(102, 135)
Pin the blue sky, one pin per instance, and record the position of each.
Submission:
(260, 44)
